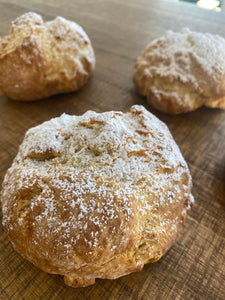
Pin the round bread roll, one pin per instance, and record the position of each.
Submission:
(40, 59)
(180, 72)
(97, 195)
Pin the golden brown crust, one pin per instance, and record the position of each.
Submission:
(98, 204)
(40, 59)
(177, 74)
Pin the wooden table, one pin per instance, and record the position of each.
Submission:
(195, 266)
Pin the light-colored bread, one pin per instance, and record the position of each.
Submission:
(180, 72)
(40, 59)
(97, 195)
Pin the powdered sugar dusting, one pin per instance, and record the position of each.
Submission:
(62, 27)
(29, 18)
(185, 48)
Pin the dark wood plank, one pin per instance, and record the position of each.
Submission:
(195, 266)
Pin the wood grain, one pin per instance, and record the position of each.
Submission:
(195, 266)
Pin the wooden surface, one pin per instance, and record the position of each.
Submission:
(195, 266)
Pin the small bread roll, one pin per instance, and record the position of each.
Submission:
(97, 195)
(40, 59)
(180, 72)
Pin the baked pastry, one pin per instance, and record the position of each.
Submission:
(40, 59)
(180, 72)
(97, 195)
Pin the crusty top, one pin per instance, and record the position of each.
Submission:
(86, 193)
(39, 59)
(185, 68)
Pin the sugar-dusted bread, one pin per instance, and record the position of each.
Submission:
(180, 72)
(97, 195)
(40, 59)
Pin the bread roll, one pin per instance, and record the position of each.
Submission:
(182, 71)
(40, 59)
(97, 195)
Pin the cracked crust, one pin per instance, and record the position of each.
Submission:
(40, 59)
(97, 195)
(180, 72)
